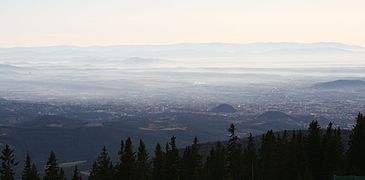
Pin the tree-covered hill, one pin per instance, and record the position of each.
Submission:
(315, 154)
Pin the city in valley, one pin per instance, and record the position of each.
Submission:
(182, 90)
(94, 98)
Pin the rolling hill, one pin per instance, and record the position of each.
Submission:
(340, 84)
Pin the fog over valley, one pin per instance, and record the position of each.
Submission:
(272, 76)
(182, 90)
(87, 97)
(199, 72)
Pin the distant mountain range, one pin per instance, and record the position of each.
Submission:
(183, 49)
(258, 45)
(341, 84)
(143, 61)
(188, 54)
(8, 67)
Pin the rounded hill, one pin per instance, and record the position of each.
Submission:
(224, 108)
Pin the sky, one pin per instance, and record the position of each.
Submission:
(111, 22)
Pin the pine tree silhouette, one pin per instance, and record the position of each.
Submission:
(143, 164)
(356, 149)
(172, 160)
(30, 171)
(158, 164)
(7, 163)
(102, 168)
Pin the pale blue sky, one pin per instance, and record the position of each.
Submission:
(107, 22)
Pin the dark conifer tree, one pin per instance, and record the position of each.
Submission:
(268, 156)
(27, 168)
(128, 165)
(291, 157)
(332, 152)
(118, 167)
(234, 156)
(52, 171)
(196, 160)
(30, 171)
(192, 164)
(34, 173)
(172, 160)
(250, 160)
(102, 167)
(304, 170)
(283, 159)
(7, 163)
(215, 167)
(296, 157)
(143, 164)
(186, 162)
(315, 154)
(158, 164)
(356, 149)
(76, 174)
(340, 159)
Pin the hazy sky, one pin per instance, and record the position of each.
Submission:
(106, 22)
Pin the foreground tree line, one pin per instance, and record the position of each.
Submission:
(315, 154)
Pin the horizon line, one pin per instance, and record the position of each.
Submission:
(184, 43)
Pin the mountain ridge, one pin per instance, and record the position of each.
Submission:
(341, 83)
(328, 44)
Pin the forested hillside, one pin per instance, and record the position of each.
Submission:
(316, 154)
